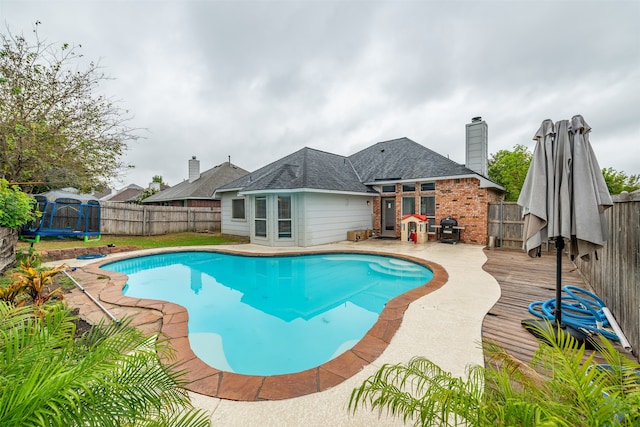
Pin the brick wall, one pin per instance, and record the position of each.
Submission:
(468, 204)
(462, 199)
(376, 215)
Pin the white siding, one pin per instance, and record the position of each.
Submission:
(231, 226)
(326, 218)
(318, 218)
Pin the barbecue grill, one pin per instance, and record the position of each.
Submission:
(449, 230)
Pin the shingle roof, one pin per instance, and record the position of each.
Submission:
(395, 160)
(306, 168)
(201, 188)
(401, 159)
(128, 194)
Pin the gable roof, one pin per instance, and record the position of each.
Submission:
(305, 169)
(403, 159)
(392, 161)
(128, 194)
(201, 188)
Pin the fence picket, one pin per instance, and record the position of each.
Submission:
(613, 274)
(144, 220)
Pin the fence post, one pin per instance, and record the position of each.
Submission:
(501, 209)
(144, 221)
(188, 219)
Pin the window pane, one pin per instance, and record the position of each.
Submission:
(237, 209)
(428, 205)
(261, 228)
(284, 229)
(261, 207)
(428, 186)
(408, 205)
(408, 187)
(431, 222)
(388, 188)
(284, 207)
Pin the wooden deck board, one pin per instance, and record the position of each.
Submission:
(522, 280)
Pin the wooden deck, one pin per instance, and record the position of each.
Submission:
(522, 280)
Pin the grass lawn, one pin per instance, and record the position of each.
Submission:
(140, 242)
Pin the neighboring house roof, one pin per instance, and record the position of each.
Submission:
(396, 160)
(201, 188)
(128, 194)
(305, 169)
(102, 195)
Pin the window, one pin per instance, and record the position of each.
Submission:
(261, 217)
(428, 205)
(237, 209)
(408, 187)
(388, 188)
(428, 186)
(428, 209)
(408, 205)
(284, 217)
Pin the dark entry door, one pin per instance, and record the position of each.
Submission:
(388, 217)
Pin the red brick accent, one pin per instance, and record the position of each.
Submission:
(462, 198)
(466, 202)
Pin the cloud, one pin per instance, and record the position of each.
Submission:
(258, 80)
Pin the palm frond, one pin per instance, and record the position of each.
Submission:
(112, 376)
(562, 386)
(420, 391)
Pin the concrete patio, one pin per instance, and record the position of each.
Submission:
(445, 326)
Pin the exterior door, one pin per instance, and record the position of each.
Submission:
(388, 217)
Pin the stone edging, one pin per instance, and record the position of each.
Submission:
(58, 254)
(212, 382)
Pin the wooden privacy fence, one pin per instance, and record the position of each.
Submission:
(505, 224)
(614, 276)
(142, 220)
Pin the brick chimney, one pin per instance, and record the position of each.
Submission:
(194, 169)
(477, 135)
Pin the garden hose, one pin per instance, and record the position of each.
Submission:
(581, 309)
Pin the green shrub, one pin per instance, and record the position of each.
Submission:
(559, 387)
(16, 207)
(110, 377)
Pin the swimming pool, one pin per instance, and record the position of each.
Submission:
(272, 315)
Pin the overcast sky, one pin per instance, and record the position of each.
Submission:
(257, 80)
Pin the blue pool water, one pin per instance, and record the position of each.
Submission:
(272, 315)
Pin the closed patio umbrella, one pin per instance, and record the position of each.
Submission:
(564, 197)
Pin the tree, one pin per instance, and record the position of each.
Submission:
(617, 182)
(111, 376)
(156, 184)
(509, 169)
(567, 389)
(56, 130)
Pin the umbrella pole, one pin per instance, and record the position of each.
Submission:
(558, 312)
(543, 329)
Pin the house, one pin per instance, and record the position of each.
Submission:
(312, 197)
(128, 194)
(199, 189)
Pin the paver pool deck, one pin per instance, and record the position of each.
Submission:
(443, 325)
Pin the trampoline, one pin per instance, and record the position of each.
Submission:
(64, 214)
